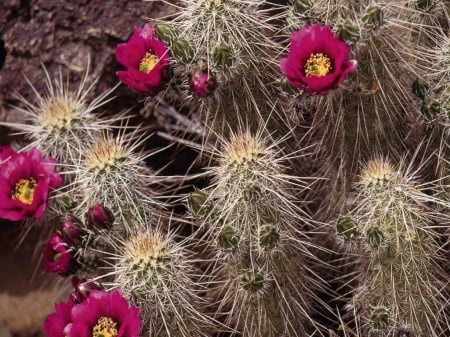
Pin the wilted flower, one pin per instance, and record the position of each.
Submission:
(104, 314)
(25, 181)
(99, 217)
(201, 82)
(57, 324)
(57, 256)
(145, 58)
(317, 60)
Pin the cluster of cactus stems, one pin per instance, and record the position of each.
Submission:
(292, 177)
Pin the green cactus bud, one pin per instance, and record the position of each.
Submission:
(373, 17)
(301, 6)
(252, 281)
(228, 239)
(347, 31)
(199, 204)
(252, 192)
(223, 57)
(374, 236)
(420, 88)
(270, 216)
(424, 5)
(379, 318)
(269, 237)
(165, 32)
(430, 109)
(182, 51)
(288, 88)
(347, 227)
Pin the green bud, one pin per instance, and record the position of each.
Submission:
(430, 109)
(251, 192)
(347, 31)
(424, 5)
(374, 236)
(183, 51)
(269, 237)
(199, 204)
(223, 57)
(270, 216)
(301, 6)
(347, 227)
(288, 88)
(252, 281)
(420, 88)
(373, 17)
(379, 318)
(67, 203)
(228, 239)
(165, 32)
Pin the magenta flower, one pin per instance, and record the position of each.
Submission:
(25, 181)
(317, 60)
(104, 314)
(57, 324)
(57, 256)
(145, 58)
(99, 217)
(201, 82)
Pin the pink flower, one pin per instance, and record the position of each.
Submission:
(25, 181)
(56, 324)
(99, 217)
(201, 82)
(82, 288)
(57, 256)
(104, 314)
(317, 60)
(145, 58)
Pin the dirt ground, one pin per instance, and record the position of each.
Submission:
(56, 34)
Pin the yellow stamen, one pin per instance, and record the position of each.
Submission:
(105, 327)
(318, 65)
(148, 62)
(24, 190)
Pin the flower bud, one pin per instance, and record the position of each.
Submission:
(182, 51)
(347, 227)
(228, 238)
(424, 5)
(420, 88)
(199, 204)
(252, 280)
(252, 192)
(430, 109)
(270, 216)
(347, 31)
(99, 217)
(301, 6)
(379, 318)
(71, 229)
(201, 82)
(223, 57)
(165, 32)
(374, 236)
(269, 237)
(373, 17)
(57, 257)
(82, 289)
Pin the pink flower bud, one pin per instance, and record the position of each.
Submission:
(70, 229)
(82, 289)
(99, 217)
(201, 82)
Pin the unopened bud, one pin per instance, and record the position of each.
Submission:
(182, 51)
(347, 227)
(223, 57)
(202, 82)
(347, 31)
(269, 237)
(374, 236)
(199, 204)
(228, 239)
(71, 229)
(82, 289)
(165, 32)
(379, 318)
(420, 88)
(373, 17)
(99, 217)
(252, 192)
(430, 109)
(252, 281)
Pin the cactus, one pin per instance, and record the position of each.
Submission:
(401, 279)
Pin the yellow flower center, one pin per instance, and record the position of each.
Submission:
(318, 65)
(24, 190)
(105, 327)
(148, 62)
